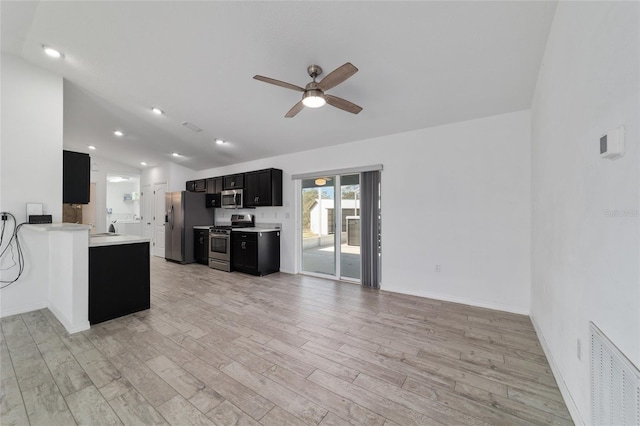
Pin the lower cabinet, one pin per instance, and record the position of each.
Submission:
(119, 281)
(201, 245)
(256, 253)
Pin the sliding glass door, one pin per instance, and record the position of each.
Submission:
(331, 226)
(350, 227)
(318, 234)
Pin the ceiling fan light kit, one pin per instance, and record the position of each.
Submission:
(313, 98)
(313, 95)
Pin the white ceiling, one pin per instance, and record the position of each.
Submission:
(421, 64)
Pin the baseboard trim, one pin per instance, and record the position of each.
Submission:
(71, 328)
(564, 389)
(24, 309)
(464, 301)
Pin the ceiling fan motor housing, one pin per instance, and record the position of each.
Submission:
(314, 71)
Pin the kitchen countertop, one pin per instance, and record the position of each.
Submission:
(49, 227)
(118, 239)
(202, 227)
(255, 229)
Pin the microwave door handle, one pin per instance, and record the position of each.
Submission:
(238, 196)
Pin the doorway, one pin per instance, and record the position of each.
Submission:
(146, 213)
(331, 226)
(89, 210)
(159, 190)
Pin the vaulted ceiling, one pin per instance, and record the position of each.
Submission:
(421, 64)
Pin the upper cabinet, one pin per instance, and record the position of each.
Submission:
(234, 181)
(263, 188)
(76, 172)
(214, 189)
(199, 185)
(214, 185)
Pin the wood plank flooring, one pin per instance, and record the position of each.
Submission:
(221, 348)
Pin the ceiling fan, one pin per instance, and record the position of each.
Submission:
(313, 94)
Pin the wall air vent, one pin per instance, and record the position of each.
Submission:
(615, 383)
(191, 126)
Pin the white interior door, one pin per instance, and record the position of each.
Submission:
(146, 216)
(159, 190)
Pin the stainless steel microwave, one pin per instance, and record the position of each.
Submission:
(231, 199)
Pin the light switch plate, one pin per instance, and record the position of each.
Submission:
(612, 143)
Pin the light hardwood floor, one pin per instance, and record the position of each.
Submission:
(231, 349)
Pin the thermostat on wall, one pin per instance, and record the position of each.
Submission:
(612, 143)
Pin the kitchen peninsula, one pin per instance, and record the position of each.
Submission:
(112, 270)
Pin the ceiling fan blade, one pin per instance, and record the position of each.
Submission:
(342, 104)
(278, 83)
(296, 109)
(337, 76)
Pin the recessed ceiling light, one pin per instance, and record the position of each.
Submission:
(51, 52)
(157, 111)
(175, 154)
(91, 147)
(219, 141)
(118, 133)
(142, 163)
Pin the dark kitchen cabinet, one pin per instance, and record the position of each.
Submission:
(201, 245)
(214, 185)
(234, 181)
(199, 185)
(76, 172)
(119, 281)
(263, 188)
(214, 192)
(256, 253)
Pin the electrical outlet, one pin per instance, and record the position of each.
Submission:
(275, 215)
(438, 267)
(579, 349)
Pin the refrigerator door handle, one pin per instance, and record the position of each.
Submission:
(172, 221)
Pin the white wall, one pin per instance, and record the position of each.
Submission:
(585, 261)
(174, 175)
(468, 186)
(30, 169)
(157, 174)
(178, 175)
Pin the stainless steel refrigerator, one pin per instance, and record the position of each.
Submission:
(184, 210)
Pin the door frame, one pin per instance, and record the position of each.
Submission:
(156, 218)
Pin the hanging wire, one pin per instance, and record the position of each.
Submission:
(14, 241)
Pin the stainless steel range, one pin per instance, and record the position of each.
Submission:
(220, 241)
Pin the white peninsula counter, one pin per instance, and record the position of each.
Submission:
(66, 259)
